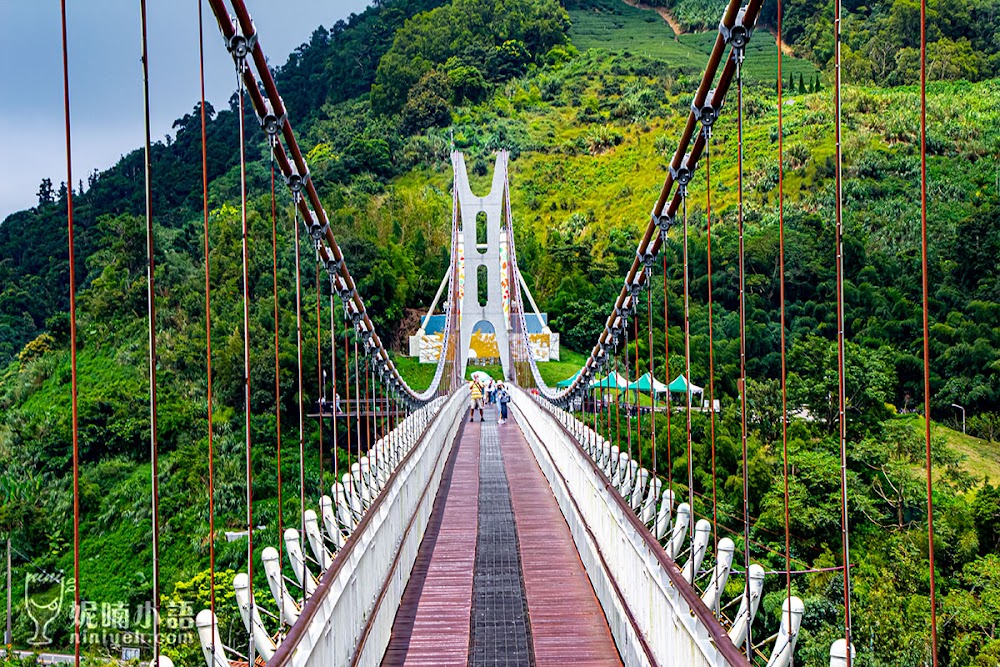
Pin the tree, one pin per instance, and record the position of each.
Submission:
(985, 426)
(814, 383)
(802, 86)
(427, 105)
(46, 194)
(986, 513)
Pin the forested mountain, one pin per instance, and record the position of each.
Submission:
(590, 99)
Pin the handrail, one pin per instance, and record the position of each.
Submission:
(285, 650)
(687, 591)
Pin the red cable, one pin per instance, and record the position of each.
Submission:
(652, 387)
(784, 346)
(319, 372)
(687, 363)
(347, 390)
(841, 351)
(666, 363)
(246, 346)
(638, 408)
(208, 324)
(743, 341)
(926, 320)
(151, 303)
(711, 340)
(72, 346)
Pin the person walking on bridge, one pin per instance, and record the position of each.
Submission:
(503, 398)
(477, 399)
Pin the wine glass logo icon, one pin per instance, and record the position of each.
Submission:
(43, 600)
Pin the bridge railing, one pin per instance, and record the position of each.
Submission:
(349, 618)
(655, 615)
(348, 614)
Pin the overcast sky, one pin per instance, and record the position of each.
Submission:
(106, 77)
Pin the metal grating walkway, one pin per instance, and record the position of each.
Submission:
(500, 632)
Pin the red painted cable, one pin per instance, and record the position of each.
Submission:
(743, 341)
(301, 389)
(248, 440)
(841, 342)
(687, 362)
(666, 362)
(152, 359)
(638, 409)
(784, 346)
(347, 390)
(926, 322)
(333, 386)
(208, 319)
(321, 388)
(652, 387)
(711, 339)
(72, 344)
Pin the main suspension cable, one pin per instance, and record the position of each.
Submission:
(152, 358)
(72, 345)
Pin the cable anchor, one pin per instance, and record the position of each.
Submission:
(738, 36)
(271, 123)
(646, 259)
(239, 45)
(318, 233)
(295, 183)
(707, 113)
(683, 174)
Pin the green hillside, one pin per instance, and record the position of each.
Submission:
(590, 103)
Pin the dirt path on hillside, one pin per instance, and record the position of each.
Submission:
(662, 11)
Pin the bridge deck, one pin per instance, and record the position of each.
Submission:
(464, 608)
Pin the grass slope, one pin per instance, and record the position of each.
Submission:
(613, 26)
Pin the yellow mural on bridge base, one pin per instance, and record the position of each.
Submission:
(545, 347)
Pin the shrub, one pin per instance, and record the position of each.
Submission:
(36, 348)
(603, 139)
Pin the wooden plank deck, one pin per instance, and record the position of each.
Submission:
(568, 626)
(432, 624)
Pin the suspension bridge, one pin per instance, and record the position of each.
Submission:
(452, 540)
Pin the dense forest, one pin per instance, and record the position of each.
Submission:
(590, 99)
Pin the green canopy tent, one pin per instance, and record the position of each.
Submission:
(568, 382)
(647, 383)
(611, 381)
(680, 385)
